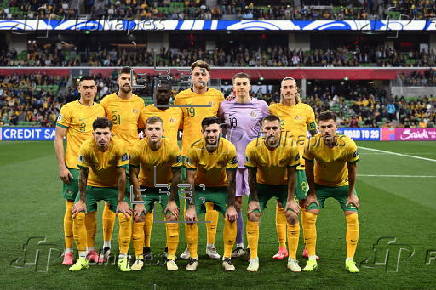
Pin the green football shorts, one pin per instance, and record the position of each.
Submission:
(217, 195)
(152, 195)
(265, 192)
(70, 191)
(340, 193)
(95, 194)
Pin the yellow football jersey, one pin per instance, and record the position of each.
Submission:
(172, 118)
(271, 164)
(295, 121)
(78, 119)
(126, 116)
(103, 165)
(193, 116)
(211, 166)
(164, 159)
(330, 167)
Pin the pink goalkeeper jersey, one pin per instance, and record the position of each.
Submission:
(243, 123)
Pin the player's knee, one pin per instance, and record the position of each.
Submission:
(170, 217)
(80, 217)
(292, 218)
(123, 219)
(253, 216)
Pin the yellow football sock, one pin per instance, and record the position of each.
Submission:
(172, 231)
(352, 233)
(108, 222)
(211, 215)
(253, 237)
(79, 230)
(91, 228)
(281, 226)
(229, 237)
(138, 237)
(124, 233)
(192, 239)
(293, 237)
(68, 225)
(310, 235)
(148, 227)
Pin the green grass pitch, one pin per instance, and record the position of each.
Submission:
(397, 231)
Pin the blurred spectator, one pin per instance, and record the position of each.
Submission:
(232, 9)
(68, 54)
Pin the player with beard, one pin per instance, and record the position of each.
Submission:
(211, 164)
(271, 162)
(242, 116)
(124, 109)
(296, 119)
(199, 102)
(331, 168)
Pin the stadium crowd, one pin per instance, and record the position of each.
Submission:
(416, 78)
(67, 54)
(37, 99)
(224, 9)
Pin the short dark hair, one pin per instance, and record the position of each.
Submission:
(241, 75)
(327, 115)
(209, 121)
(125, 70)
(153, 119)
(102, 123)
(201, 64)
(86, 78)
(271, 118)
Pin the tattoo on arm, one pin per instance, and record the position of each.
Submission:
(309, 174)
(291, 183)
(175, 181)
(121, 183)
(135, 182)
(231, 187)
(83, 180)
(352, 173)
(252, 182)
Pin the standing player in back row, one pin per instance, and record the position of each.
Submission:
(124, 109)
(199, 102)
(242, 116)
(331, 168)
(296, 119)
(75, 123)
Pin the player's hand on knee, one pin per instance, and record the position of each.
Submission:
(231, 214)
(354, 200)
(65, 175)
(123, 207)
(311, 198)
(79, 206)
(138, 212)
(292, 207)
(191, 214)
(172, 209)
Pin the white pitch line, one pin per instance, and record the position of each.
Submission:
(398, 154)
(400, 176)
